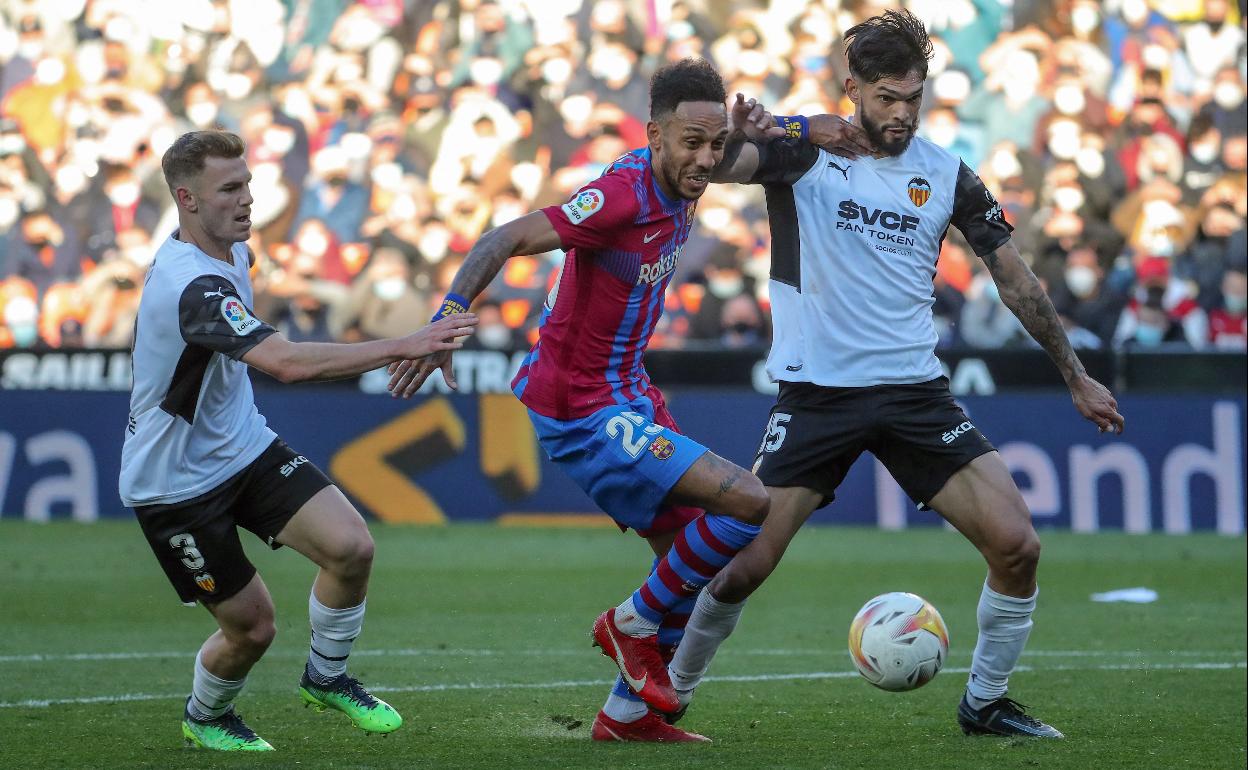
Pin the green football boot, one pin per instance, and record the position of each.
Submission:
(227, 732)
(346, 694)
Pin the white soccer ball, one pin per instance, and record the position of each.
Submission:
(898, 641)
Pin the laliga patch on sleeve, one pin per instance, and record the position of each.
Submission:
(238, 317)
(586, 203)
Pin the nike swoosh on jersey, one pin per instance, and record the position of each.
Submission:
(648, 238)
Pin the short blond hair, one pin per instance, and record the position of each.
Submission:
(184, 160)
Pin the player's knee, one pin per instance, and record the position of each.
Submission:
(740, 579)
(754, 501)
(1019, 554)
(261, 635)
(255, 637)
(353, 556)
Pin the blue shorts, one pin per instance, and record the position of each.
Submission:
(626, 457)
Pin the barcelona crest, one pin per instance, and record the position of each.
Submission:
(661, 448)
(206, 582)
(919, 191)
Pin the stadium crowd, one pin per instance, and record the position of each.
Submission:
(385, 136)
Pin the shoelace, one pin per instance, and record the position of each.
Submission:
(232, 723)
(356, 692)
(1021, 711)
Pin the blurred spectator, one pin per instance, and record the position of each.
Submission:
(1083, 299)
(387, 136)
(493, 333)
(383, 302)
(41, 253)
(741, 323)
(1228, 325)
(986, 322)
(1161, 310)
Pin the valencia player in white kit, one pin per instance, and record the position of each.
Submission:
(199, 461)
(854, 251)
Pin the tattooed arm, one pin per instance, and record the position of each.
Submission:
(530, 234)
(1024, 296)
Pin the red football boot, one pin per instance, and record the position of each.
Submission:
(639, 661)
(649, 729)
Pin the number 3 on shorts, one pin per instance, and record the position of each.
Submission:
(776, 432)
(624, 427)
(191, 557)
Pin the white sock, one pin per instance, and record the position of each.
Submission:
(211, 696)
(628, 620)
(623, 709)
(1004, 625)
(709, 625)
(333, 632)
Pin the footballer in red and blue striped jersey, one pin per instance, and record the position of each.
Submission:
(623, 236)
(593, 408)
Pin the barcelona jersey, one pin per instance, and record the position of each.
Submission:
(623, 237)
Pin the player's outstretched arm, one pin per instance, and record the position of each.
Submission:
(530, 234)
(1024, 296)
(289, 361)
(749, 123)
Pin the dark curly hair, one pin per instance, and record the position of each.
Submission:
(688, 80)
(893, 44)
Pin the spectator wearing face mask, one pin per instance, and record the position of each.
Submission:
(1228, 324)
(724, 280)
(1214, 41)
(986, 322)
(1202, 165)
(1205, 260)
(942, 127)
(383, 302)
(122, 207)
(1009, 104)
(1226, 110)
(741, 323)
(1161, 310)
(332, 197)
(43, 254)
(499, 336)
(1083, 298)
(19, 327)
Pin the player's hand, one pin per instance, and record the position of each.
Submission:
(430, 349)
(1097, 404)
(750, 118)
(839, 137)
(406, 377)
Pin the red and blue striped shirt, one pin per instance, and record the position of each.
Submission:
(623, 237)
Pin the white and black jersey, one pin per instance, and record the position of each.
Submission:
(193, 419)
(854, 251)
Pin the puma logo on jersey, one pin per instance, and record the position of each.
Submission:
(289, 468)
(889, 220)
(657, 271)
(843, 169)
(950, 436)
(218, 293)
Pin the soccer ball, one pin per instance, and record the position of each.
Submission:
(898, 641)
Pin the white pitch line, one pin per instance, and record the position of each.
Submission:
(485, 653)
(459, 686)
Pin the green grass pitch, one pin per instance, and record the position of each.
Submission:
(479, 636)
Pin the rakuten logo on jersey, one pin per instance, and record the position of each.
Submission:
(653, 273)
(889, 220)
